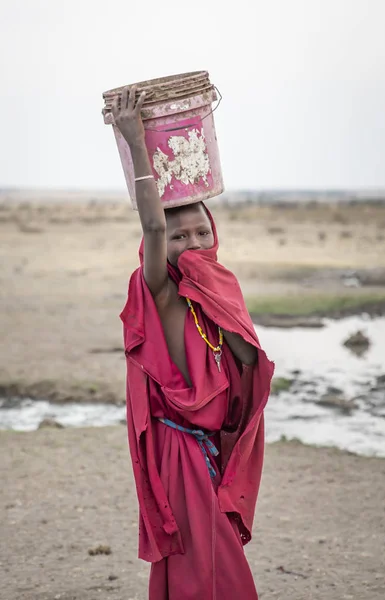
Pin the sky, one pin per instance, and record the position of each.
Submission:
(303, 86)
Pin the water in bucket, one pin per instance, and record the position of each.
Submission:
(180, 138)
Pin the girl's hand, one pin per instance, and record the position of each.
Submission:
(127, 117)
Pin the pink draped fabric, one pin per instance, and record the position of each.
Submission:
(192, 527)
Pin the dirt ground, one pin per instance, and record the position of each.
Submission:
(64, 270)
(318, 534)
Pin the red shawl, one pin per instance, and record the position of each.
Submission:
(216, 294)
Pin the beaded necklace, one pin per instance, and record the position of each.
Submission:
(217, 350)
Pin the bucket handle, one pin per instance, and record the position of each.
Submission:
(192, 124)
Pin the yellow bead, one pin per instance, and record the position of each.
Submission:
(203, 335)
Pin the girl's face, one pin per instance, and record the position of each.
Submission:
(188, 229)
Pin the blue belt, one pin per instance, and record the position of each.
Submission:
(202, 438)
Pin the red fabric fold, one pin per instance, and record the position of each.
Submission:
(230, 402)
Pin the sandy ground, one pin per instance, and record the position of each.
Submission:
(64, 270)
(320, 527)
(319, 530)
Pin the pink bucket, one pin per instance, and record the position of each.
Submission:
(180, 138)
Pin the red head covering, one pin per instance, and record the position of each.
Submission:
(154, 388)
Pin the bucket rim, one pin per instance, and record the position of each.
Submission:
(160, 82)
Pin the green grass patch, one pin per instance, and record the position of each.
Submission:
(280, 384)
(316, 304)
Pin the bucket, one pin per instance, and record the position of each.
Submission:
(180, 138)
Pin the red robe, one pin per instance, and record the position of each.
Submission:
(192, 527)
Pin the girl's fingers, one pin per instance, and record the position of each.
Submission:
(139, 104)
(123, 105)
(127, 101)
(131, 98)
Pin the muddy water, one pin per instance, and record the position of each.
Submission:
(323, 370)
(335, 398)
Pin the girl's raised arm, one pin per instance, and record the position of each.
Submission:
(128, 119)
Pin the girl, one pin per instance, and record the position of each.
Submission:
(197, 384)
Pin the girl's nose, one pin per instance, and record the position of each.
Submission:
(193, 243)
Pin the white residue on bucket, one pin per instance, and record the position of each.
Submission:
(180, 106)
(191, 161)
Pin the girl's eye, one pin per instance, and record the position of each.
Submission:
(178, 237)
(204, 233)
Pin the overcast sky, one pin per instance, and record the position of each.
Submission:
(303, 85)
